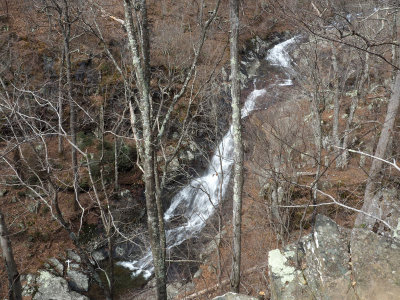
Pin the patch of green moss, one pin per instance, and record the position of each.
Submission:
(107, 146)
(85, 139)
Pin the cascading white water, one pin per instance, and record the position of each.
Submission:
(278, 56)
(197, 201)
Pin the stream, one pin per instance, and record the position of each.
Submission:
(198, 200)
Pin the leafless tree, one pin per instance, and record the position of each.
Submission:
(150, 126)
(238, 146)
(371, 206)
(15, 289)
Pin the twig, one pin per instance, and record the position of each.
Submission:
(393, 164)
(335, 202)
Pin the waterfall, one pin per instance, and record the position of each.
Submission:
(197, 201)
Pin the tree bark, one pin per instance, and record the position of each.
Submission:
(116, 156)
(14, 282)
(18, 161)
(238, 146)
(66, 25)
(318, 144)
(336, 97)
(142, 72)
(60, 103)
(370, 205)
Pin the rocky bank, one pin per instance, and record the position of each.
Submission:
(336, 263)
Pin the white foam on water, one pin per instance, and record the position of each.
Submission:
(279, 55)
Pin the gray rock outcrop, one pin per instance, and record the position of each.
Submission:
(78, 281)
(53, 287)
(376, 265)
(62, 278)
(336, 263)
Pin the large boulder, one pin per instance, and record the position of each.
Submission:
(376, 265)
(62, 278)
(78, 280)
(52, 287)
(335, 263)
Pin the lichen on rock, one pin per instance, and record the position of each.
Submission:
(336, 263)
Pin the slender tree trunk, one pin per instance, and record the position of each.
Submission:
(370, 206)
(100, 130)
(318, 143)
(395, 51)
(200, 13)
(14, 282)
(145, 49)
(142, 72)
(110, 263)
(72, 107)
(17, 161)
(160, 210)
(238, 146)
(361, 92)
(336, 98)
(60, 103)
(116, 155)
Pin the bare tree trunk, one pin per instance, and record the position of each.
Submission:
(116, 173)
(201, 13)
(14, 282)
(100, 130)
(238, 146)
(72, 107)
(318, 143)
(160, 210)
(336, 97)
(361, 92)
(65, 24)
(17, 161)
(145, 48)
(110, 263)
(60, 103)
(395, 40)
(370, 206)
(142, 71)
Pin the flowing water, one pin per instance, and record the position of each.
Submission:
(197, 201)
